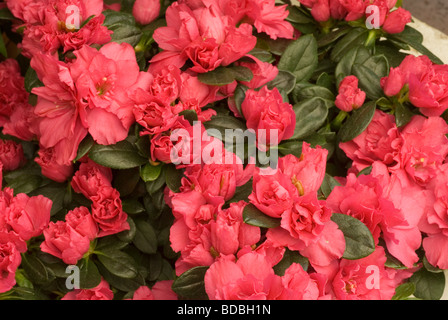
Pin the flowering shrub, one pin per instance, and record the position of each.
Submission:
(231, 149)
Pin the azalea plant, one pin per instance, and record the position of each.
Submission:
(222, 150)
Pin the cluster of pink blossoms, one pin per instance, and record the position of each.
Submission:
(21, 218)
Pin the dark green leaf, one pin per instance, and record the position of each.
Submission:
(357, 55)
(241, 73)
(84, 147)
(300, 58)
(55, 192)
(122, 155)
(311, 114)
(414, 38)
(124, 33)
(126, 180)
(254, 217)
(145, 237)
(189, 115)
(32, 80)
(285, 81)
(430, 267)
(357, 123)
(359, 241)
(308, 91)
(403, 115)
(239, 96)
(128, 235)
(123, 26)
(290, 257)
(132, 206)
(35, 269)
(369, 82)
(242, 192)
(25, 183)
(5, 14)
(293, 147)
(333, 36)
(298, 16)
(261, 55)
(89, 276)
(354, 38)
(428, 285)
(221, 76)
(328, 184)
(190, 284)
(118, 263)
(173, 178)
(3, 50)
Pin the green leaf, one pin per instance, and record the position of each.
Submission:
(329, 38)
(173, 178)
(357, 123)
(404, 291)
(84, 147)
(403, 115)
(132, 206)
(254, 217)
(128, 235)
(150, 172)
(428, 285)
(145, 237)
(55, 192)
(122, 155)
(298, 16)
(25, 183)
(5, 14)
(430, 267)
(126, 180)
(123, 26)
(369, 82)
(293, 147)
(414, 38)
(311, 114)
(190, 284)
(242, 192)
(118, 263)
(238, 96)
(189, 115)
(354, 38)
(285, 81)
(3, 50)
(300, 58)
(357, 55)
(35, 269)
(241, 73)
(290, 257)
(32, 80)
(359, 241)
(89, 276)
(222, 76)
(124, 33)
(309, 91)
(328, 184)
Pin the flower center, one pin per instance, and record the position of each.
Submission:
(298, 185)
